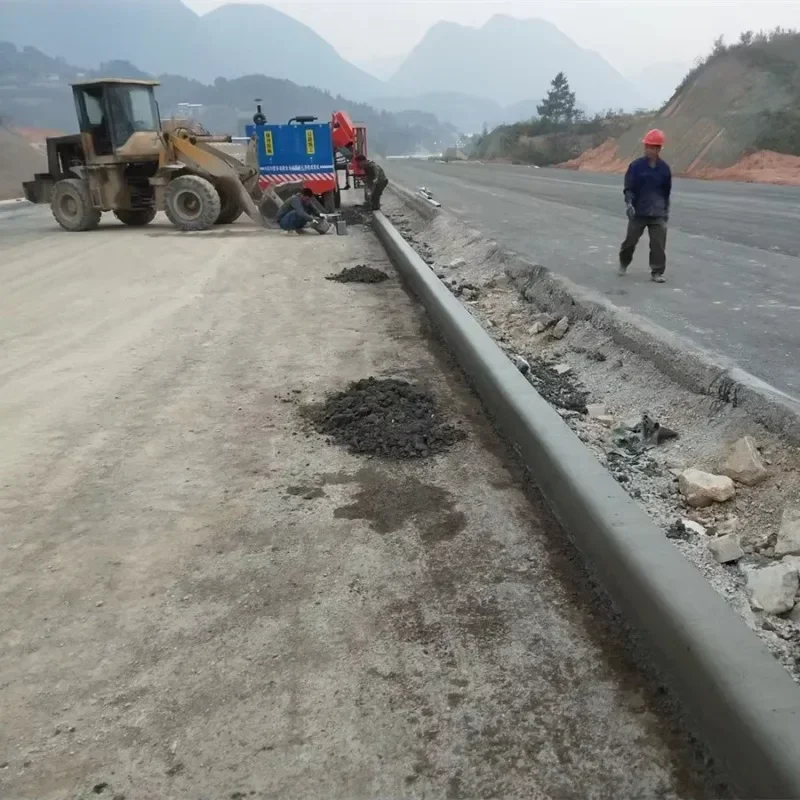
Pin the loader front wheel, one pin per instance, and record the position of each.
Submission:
(72, 206)
(329, 202)
(192, 203)
(230, 211)
(135, 218)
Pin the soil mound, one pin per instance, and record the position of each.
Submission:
(360, 273)
(385, 417)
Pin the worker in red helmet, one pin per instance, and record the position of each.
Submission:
(648, 186)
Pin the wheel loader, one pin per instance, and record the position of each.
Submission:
(125, 162)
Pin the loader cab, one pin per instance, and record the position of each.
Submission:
(112, 111)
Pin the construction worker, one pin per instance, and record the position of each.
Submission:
(648, 186)
(298, 211)
(375, 180)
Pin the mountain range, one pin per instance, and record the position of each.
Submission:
(35, 93)
(510, 60)
(467, 76)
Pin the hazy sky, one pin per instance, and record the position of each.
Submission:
(630, 33)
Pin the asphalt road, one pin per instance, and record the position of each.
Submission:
(202, 598)
(734, 249)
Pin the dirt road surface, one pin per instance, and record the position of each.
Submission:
(202, 599)
(733, 277)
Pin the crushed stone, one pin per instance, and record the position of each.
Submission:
(360, 273)
(390, 418)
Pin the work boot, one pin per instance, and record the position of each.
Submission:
(623, 270)
(657, 277)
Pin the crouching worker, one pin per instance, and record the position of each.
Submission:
(298, 211)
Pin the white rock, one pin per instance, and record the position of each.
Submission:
(744, 463)
(538, 327)
(457, 263)
(789, 533)
(729, 525)
(701, 489)
(726, 548)
(695, 527)
(596, 410)
(772, 589)
(562, 369)
(521, 364)
(607, 420)
(561, 328)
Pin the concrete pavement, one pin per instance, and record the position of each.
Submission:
(734, 267)
(202, 600)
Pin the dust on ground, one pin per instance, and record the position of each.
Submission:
(360, 273)
(627, 386)
(385, 417)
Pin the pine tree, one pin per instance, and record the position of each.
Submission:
(559, 105)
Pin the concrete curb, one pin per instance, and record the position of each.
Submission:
(680, 359)
(745, 704)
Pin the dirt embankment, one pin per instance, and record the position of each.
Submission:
(19, 160)
(726, 122)
(761, 167)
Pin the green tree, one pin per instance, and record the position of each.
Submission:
(559, 105)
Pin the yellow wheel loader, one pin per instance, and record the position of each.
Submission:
(124, 161)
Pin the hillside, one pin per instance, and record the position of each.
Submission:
(18, 162)
(510, 60)
(538, 142)
(741, 100)
(34, 93)
(164, 36)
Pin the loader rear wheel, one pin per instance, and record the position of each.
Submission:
(72, 206)
(329, 202)
(192, 203)
(230, 211)
(135, 218)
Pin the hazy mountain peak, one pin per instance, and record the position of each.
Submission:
(510, 60)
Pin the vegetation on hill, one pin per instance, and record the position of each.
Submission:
(34, 92)
(776, 52)
(560, 132)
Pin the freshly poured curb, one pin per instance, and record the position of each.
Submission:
(745, 704)
(679, 358)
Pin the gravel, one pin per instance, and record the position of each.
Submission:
(360, 273)
(390, 418)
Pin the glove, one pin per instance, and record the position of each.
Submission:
(630, 211)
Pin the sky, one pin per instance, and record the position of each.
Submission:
(631, 34)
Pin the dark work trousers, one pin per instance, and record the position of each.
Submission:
(657, 229)
(375, 195)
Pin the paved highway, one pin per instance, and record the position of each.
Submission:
(733, 273)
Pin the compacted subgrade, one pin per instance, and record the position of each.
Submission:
(201, 601)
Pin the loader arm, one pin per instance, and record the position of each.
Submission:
(220, 166)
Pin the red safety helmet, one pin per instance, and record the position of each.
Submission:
(654, 138)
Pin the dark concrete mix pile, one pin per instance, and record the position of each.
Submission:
(559, 390)
(360, 273)
(354, 215)
(385, 417)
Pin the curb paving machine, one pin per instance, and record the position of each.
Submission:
(306, 153)
(125, 162)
